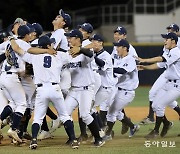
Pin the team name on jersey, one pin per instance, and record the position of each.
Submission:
(74, 65)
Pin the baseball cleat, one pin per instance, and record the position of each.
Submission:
(134, 130)
(44, 135)
(178, 135)
(107, 137)
(152, 134)
(147, 121)
(101, 133)
(27, 136)
(55, 125)
(166, 128)
(99, 143)
(83, 138)
(75, 144)
(14, 134)
(33, 144)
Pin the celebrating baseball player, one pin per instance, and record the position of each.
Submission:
(48, 88)
(82, 83)
(170, 90)
(11, 85)
(160, 81)
(128, 81)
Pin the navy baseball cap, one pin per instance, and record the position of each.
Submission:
(38, 28)
(66, 17)
(121, 30)
(23, 30)
(44, 40)
(123, 43)
(171, 36)
(174, 27)
(74, 33)
(87, 27)
(97, 38)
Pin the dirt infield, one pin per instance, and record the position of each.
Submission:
(138, 113)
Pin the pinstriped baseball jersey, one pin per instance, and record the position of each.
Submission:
(172, 64)
(47, 68)
(106, 72)
(115, 56)
(20, 63)
(60, 39)
(81, 72)
(129, 80)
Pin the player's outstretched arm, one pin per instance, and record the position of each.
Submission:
(147, 67)
(150, 60)
(36, 50)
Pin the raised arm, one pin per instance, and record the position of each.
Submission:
(16, 47)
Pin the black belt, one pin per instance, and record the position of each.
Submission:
(172, 81)
(9, 72)
(40, 84)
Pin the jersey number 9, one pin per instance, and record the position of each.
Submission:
(47, 61)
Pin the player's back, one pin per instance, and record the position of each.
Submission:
(47, 68)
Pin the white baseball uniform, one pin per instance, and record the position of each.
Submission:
(47, 70)
(107, 81)
(159, 83)
(3, 99)
(82, 87)
(127, 83)
(61, 42)
(10, 82)
(116, 62)
(94, 67)
(170, 91)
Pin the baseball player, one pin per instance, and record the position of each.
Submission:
(62, 21)
(9, 82)
(170, 90)
(128, 81)
(82, 84)
(48, 89)
(120, 33)
(105, 70)
(160, 81)
(86, 30)
(3, 99)
(28, 84)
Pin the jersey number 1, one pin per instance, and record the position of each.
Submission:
(47, 62)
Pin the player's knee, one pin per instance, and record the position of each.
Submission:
(87, 118)
(111, 118)
(21, 108)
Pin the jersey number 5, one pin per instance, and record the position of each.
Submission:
(47, 61)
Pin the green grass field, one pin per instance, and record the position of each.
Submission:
(121, 144)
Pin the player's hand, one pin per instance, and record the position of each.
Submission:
(52, 51)
(74, 51)
(141, 67)
(11, 38)
(139, 60)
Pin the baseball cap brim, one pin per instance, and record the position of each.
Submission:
(164, 36)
